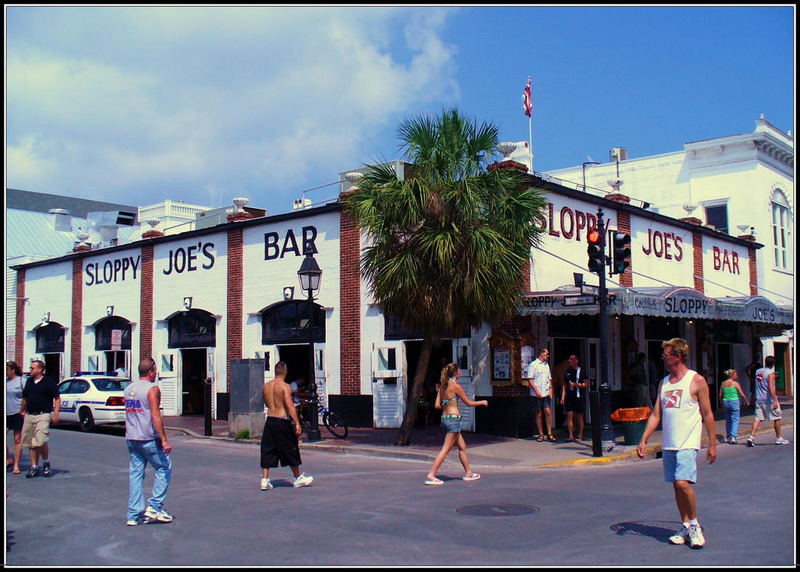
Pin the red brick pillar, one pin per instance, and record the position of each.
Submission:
(526, 284)
(146, 301)
(753, 271)
(751, 255)
(77, 316)
(624, 226)
(350, 303)
(19, 329)
(697, 247)
(235, 284)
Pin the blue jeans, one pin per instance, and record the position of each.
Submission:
(141, 453)
(731, 418)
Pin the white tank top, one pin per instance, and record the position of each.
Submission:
(681, 422)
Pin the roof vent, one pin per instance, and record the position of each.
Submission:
(62, 221)
(618, 154)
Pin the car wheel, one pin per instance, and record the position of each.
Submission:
(86, 420)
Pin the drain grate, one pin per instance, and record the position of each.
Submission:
(497, 509)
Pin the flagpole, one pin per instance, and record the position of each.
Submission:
(530, 140)
(527, 106)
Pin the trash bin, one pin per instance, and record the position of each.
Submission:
(634, 420)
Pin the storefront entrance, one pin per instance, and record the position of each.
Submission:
(441, 355)
(193, 378)
(296, 359)
(52, 365)
(587, 352)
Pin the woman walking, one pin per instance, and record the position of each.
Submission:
(729, 393)
(447, 397)
(14, 386)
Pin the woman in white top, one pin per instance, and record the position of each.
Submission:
(14, 387)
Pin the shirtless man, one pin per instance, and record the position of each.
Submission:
(279, 444)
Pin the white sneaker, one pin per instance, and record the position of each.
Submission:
(266, 485)
(781, 441)
(750, 442)
(696, 538)
(303, 481)
(153, 515)
(680, 537)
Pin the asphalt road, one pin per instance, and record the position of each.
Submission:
(376, 511)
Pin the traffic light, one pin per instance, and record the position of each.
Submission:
(595, 251)
(621, 252)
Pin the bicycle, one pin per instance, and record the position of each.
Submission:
(330, 419)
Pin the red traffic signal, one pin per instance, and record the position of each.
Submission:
(595, 251)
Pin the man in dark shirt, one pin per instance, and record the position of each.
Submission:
(40, 405)
(573, 396)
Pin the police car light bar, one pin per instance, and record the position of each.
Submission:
(108, 373)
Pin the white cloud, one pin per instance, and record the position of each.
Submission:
(143, 104)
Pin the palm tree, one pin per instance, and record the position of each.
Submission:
(448, 245)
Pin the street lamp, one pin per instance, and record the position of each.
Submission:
(310, 275)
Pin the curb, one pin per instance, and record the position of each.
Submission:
(653, 449)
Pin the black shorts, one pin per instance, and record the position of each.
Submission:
(575, 404)
(279, 445)
(14, 422)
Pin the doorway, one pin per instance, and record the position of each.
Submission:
(116, 360)
(562, 349)
(193, 377)
(52, 366)
(780, 351)
(441, 355)
(296, 359)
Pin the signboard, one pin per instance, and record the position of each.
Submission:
(579, 300)
(502, 363)
(678, 303)
(116, 340)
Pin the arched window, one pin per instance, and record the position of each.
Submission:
(287, 322)
(193, 329)
(781, 230)
(104, 333)
(50, 339)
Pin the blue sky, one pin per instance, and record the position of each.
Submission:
(202, 104)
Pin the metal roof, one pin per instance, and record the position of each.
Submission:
(32, 234)
(43, 202)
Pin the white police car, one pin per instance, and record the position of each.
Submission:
(92, 398)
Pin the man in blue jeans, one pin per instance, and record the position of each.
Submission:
(147, 443)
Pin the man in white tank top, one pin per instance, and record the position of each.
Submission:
(684, 407)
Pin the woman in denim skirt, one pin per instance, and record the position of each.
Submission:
(448, 394)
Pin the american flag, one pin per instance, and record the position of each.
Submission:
(527, 101)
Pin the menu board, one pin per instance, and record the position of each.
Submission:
(502, 363)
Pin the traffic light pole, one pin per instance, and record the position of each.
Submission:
(606, 429)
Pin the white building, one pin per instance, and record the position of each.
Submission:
(199, 301)
(740, 184)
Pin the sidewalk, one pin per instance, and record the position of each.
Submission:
(493, 451)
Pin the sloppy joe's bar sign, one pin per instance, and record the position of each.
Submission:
(680, 304)
(757, 309)
(569, 222)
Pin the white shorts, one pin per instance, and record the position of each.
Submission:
(765, 411)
